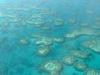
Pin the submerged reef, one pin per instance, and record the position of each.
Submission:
(92, 72)
(42, 50)
(69, 60)
(80, 54)
(81, 31)
(52, 67)
(93, 44)
(49, 37)
(80, 66)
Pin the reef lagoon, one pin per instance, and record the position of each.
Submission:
(49, 37)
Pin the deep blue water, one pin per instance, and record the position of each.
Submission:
(23, 23)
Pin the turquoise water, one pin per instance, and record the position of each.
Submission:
(64, 28)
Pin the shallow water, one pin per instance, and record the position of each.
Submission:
(64, 28)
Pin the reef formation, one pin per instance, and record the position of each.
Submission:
(47, 37)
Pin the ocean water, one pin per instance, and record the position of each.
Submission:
(63, 33)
